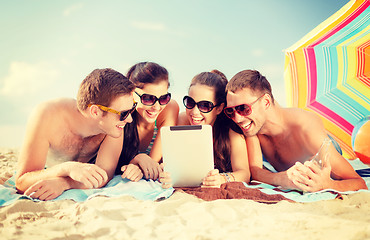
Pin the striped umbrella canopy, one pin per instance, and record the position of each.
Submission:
(328, 71)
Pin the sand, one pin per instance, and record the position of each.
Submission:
(182, 216)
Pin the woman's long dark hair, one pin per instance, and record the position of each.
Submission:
(140, 74)
(222, 124)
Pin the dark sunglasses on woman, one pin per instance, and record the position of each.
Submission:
(122, 115)
(242, 110)
(150, 100)
(203, 106)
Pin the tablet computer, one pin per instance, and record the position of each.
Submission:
(187, 153)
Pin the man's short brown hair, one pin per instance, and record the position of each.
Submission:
(101, 87)
(251, 79)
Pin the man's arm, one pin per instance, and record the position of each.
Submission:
(34, 151)
(263, 175)
(336, 172)
(345, 177)
(239, 157)
(31, 163)
(108, 155)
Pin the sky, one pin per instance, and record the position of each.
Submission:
(48, 47)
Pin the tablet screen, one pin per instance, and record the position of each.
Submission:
(187, 153)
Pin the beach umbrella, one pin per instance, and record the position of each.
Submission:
(328, 71)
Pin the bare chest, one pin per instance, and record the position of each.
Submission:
(69, 147)
(283, 153)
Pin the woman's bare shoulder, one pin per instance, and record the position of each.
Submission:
(169, 113)
(183, 119)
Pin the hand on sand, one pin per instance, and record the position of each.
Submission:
(213, 179)
(150, 168)
(47, 189)
(90, 175)
(132, 172)
(311, 177)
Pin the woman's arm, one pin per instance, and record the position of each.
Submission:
(239, 157)
(150, 163)
(239, 163)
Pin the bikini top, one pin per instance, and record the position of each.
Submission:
(155, 132)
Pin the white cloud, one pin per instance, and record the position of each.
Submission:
(27, 79)
(68, 11)
(258, 52)
(148, 26)
(89, 45)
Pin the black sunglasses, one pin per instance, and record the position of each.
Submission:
(150, 100)
(122, 115)
(203, 106)
(242, 110)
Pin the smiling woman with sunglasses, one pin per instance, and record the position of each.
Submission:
(204, 105)
(154, 109)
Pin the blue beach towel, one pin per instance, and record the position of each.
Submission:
(327, 194)
(142, 190)
(295, 195)
(150, 190)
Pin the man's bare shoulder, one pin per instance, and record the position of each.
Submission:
(302, 119)
(307, 127)
(54, 106)
(50, 113)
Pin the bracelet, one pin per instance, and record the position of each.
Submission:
(223, 175)
(233, 176)
(226, 176)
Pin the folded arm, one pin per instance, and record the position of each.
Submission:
(335, 173)
(149, 164)
(31, 173)
(258, 172)
(168, 117)
(239, 163)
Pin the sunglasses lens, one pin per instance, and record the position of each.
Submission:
(189, 102)
(229, 112)
(148, 99)
(243, 110)
(205, 106)
(164, 99)
(125, 114)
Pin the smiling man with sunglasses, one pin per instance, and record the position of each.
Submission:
(78, 140)
(287, 138)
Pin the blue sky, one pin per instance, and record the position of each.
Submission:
(48, 47)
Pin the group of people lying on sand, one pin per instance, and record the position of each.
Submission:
(113, 127)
